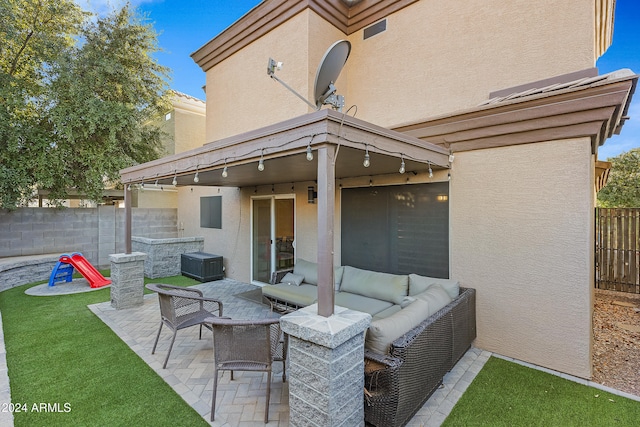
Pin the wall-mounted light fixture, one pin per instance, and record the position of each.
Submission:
(312, 195)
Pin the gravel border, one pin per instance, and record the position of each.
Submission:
(616, 344)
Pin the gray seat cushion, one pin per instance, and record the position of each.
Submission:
(361, 303)
(301, 296)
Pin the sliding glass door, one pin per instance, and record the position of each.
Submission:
(273, 236)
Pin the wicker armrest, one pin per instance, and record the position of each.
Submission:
(187, 299)
(241, 322)
(211, 305)
(406, 339)
(384, 361)
(277, 276)
(381, 373)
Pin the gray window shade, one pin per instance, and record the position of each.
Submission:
(397, 229)
(211, 212)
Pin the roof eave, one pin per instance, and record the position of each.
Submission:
(595, 111)
(284, 144)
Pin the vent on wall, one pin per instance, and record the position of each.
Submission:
(374, 29)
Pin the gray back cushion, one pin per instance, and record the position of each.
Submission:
(419, 284)
(383, 332)
(436, 296)
(384, 286)
(307, 269)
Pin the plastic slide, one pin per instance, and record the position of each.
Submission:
(84, 267)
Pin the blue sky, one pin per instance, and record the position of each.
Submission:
(186, 25)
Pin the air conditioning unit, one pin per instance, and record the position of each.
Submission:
(202, 266)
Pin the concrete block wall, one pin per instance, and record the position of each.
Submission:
(27, 269)
(94, 232)
(164, 255)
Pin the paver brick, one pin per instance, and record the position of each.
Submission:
(239, 402)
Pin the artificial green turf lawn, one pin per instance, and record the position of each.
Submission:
(507, 394)
(59, 352)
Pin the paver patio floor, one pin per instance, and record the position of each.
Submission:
(241, 402)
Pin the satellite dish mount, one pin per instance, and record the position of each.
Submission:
(328, 71)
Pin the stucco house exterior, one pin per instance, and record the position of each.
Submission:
(494, 108)
(184, 129)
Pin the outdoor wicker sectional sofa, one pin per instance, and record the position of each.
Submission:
(421, 326)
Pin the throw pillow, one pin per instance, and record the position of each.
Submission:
(292, 279)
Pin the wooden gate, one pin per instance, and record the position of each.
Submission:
(617, 249)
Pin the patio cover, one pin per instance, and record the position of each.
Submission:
(339, 143)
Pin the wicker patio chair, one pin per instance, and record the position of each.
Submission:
(247, 345)
(181, 308)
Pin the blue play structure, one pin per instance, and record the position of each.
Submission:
(62, 272)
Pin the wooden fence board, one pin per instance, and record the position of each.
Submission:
(617, 245)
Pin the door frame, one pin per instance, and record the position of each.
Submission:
(272, 261)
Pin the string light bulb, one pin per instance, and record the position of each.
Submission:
(430, 171)
(309, 152)
(175, 180)
(261, 162)
(367, 160)
(156, 184)
(129, 187)
(196, 178)
(402, 166)
(225, 172)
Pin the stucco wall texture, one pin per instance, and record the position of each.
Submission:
(521, 216)
(442, 56)
(434, 57)
(522, 235)
(240, 94)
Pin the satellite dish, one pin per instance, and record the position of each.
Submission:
(328, 71)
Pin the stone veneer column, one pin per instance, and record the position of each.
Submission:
(127, 279)
(326, 367)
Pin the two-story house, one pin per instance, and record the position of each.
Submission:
(494, 112)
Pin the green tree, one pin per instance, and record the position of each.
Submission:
(79, 98)
(623, 186)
